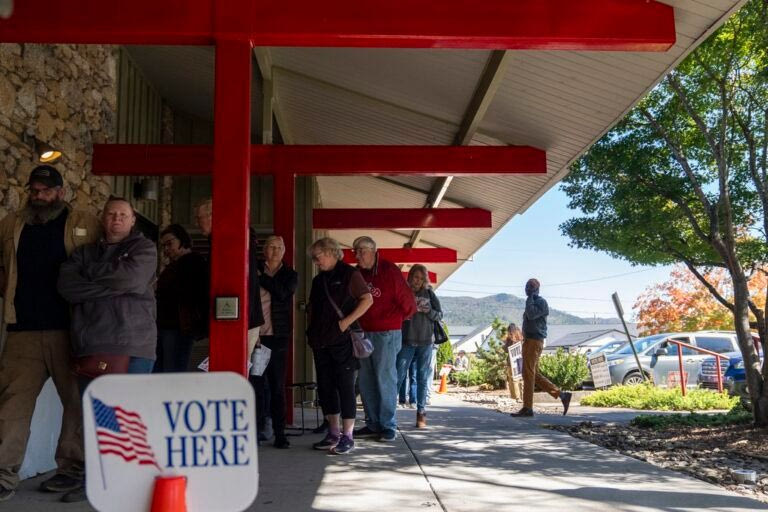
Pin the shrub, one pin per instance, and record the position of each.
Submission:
(444, 355)
(472, 377)
(736, 416)
(566, 371)
(491, 364)
(647, 396)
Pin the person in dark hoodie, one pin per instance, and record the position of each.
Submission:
(418, 332)
(535, 332)
(109, 285)
(182, 300)
(393, 302)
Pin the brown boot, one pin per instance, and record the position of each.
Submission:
(421, 420)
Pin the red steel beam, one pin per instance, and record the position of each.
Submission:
(617, 25)
(284, 221)
(401, 255)
(400, 218)
(149, 159)
(231, 199)
(432, 276)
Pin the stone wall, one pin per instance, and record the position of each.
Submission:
(66, 96)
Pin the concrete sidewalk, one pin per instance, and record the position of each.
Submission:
(468, 459)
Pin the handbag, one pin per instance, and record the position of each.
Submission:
(362, 347)
(440, 335)
(96, 365)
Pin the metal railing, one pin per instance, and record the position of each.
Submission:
(680, 346)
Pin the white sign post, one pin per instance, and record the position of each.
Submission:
(197, 425)
(601, 376)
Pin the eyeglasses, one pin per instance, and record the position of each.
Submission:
(361, 250)
(316, 256)
(169, 242)
(40, 191)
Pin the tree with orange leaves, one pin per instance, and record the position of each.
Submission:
(683, 303)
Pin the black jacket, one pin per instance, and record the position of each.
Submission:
(281, 288)
(535, 318)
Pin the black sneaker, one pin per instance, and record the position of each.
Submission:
(565, 397)
(328, 442)
(365, 433)
(61, 483)
(6, 494)
(75, 495)
(523, 413)
(387, 435)
(344, 446)
(281, 442)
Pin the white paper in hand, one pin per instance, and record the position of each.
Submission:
(260, 360)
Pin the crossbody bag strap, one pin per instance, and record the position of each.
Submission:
(333, 302)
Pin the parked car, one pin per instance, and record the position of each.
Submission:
(659, 359)
(734, 377)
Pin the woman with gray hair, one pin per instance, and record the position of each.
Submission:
(417, 338)
(339, 296)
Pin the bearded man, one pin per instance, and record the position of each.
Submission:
(34, 242)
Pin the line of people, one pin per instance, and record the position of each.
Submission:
(82, 298)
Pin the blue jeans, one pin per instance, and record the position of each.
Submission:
(140, 365)
(421, 356)
(378, 380)
(173, 350)
(409, 382)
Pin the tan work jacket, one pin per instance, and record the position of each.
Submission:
(81, 228)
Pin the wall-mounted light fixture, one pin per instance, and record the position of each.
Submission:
(41, 151)
(46, 153)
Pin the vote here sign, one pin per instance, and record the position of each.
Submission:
(199, 425)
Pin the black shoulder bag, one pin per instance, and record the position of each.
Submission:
(361, 346)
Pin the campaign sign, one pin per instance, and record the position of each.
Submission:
(516, 360)
(601, 376)
(199, 425)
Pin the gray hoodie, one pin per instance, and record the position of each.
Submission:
(113, 302)
(418, 330)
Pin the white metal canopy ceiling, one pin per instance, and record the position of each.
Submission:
(560, 101)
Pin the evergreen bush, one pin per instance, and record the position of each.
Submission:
(564, 370)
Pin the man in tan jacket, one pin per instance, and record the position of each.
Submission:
(34, 242)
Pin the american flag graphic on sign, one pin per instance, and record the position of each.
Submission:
(122, 433)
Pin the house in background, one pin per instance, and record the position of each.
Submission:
(589, 338)
(471, 340)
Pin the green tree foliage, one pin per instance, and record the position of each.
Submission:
(444, 354)
(564, 370)
(683, 177)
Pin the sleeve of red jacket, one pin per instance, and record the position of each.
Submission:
(405, 295)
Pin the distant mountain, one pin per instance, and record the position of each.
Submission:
(482, 311)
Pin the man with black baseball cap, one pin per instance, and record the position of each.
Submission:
(34, 242)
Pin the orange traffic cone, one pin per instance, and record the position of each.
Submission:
(169, 494)
(443, 384)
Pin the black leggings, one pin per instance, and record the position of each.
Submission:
(270, 388)
(336, 367)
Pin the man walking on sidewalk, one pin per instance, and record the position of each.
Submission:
(535, 332)
(35, 242)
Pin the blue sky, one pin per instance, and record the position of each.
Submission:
(531, 245)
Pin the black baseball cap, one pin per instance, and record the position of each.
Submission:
(47, 175)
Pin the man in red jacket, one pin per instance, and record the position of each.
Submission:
(393, 302)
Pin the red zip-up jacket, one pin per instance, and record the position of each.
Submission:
(393, 299)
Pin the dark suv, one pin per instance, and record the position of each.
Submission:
(733, 374)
